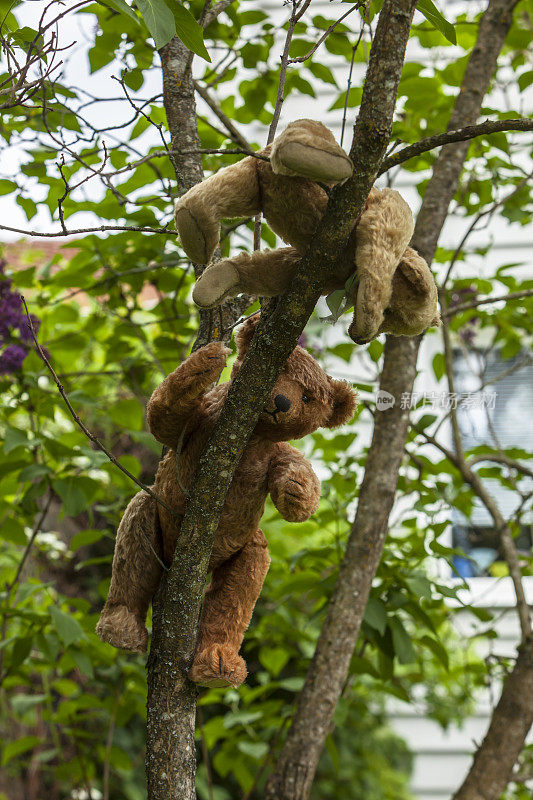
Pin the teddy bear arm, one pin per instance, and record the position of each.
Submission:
(178, 397)
(293, 486)
(383, 233)
(231, 192)
(264, 273)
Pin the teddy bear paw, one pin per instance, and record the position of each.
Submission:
(218, 282)
(197, 240)
(218, 665)
(123, 629)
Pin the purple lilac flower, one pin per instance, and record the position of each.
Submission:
(12, 318)
(11, 359)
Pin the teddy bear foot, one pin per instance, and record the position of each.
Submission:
(193, 237)
(120, 627)
(218, 282)
(218, 665)
(314, 163)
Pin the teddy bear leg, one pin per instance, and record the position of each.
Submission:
(231, 192)
(264, 273)
(307, 149)
(228, 606)
(135, 576)
(414, 301)
(382, 235)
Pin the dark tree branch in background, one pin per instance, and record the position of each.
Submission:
(451, 311)
(234, 133)
(460, 135)
(212, 13)
(472, 478)
(295, 770)
(501, 458)
(390, 432)
(493, 29)
(510, 723)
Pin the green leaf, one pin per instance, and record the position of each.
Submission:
(273, 659)
(13, 531)
(128, 413)
(188, 30)
(439, 365)
(20, 652)
(84, 538)
(6, 187)
(254, 749)
(336, 302)
(14, 438)
(18, 747)
(68, 628)
(73, 498)
(401, 641)
(83, 662)
(121, 6)
(376, 615)
(159, 21)
(433, 15)
(437, 648)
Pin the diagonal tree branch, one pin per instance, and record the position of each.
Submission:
(461, 135)
(171, 704)
(510, 723)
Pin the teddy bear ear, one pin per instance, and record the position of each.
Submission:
(245, 334)
(344, 401)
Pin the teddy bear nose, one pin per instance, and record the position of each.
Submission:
(282, 403)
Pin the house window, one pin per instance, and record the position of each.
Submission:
(495, 409)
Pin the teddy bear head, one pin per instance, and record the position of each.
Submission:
(303, 399)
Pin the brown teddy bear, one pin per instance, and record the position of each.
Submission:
(394, 291)
(181, 414)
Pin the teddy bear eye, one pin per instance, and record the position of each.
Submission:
(306, 398)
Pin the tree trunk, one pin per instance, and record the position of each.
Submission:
(171, 703)
(511, 720)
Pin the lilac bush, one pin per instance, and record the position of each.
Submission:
(15, 334)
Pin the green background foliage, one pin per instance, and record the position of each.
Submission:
(73, 708)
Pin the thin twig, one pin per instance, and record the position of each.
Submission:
(213, 13)
(486, 213)
(99, 229)
(451, 311)
(88, 433)
(501, 458)
(324, 36)
(295, 16)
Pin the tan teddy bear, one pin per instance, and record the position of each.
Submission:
(181, 414)
(395, 291)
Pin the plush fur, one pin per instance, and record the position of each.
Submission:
(181, 414)
(395, 291)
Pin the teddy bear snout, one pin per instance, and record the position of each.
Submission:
(282, 403)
